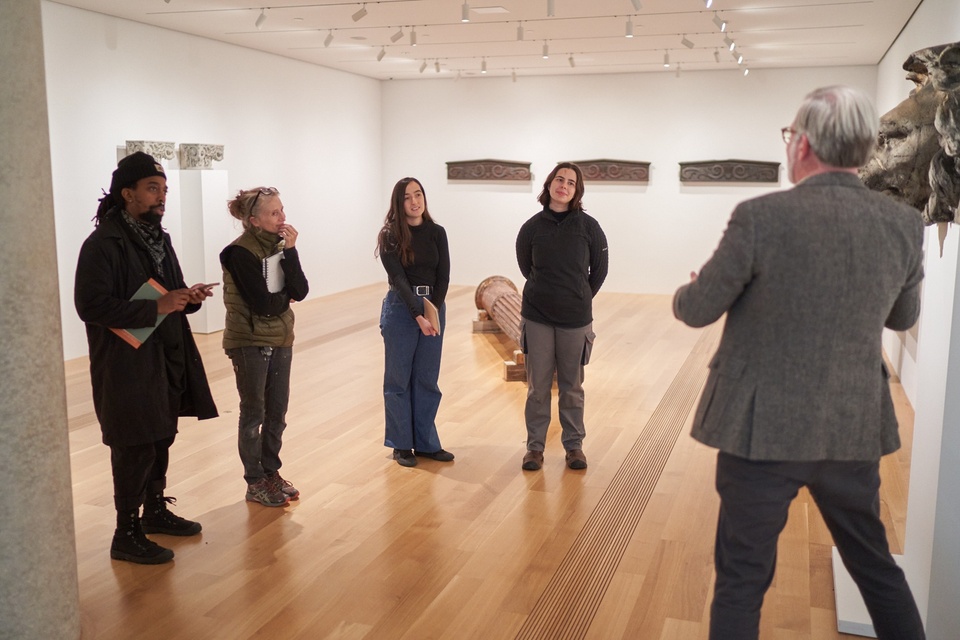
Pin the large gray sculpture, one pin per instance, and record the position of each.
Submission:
(916, 160)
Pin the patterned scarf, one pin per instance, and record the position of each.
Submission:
(152, 236)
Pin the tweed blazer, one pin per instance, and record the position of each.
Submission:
(808, 278)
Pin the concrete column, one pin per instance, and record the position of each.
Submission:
(39, 598)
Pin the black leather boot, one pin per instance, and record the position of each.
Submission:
(158, 519)
(131, 545)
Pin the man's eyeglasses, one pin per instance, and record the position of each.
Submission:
(787, 134)
(266, 191)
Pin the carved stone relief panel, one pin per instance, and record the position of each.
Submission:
(614, 170)
(159, 150)
(730, 171)
(199, 156)
(488, 170)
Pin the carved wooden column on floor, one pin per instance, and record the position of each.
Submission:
(498, 310)
(38, 560)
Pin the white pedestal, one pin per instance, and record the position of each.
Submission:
(206, 227)
(852, 616)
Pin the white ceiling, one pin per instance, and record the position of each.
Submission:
(590, 33)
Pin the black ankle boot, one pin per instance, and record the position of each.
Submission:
(158, 519)
(131, 545)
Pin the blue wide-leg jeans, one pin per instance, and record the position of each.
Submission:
(411, 395)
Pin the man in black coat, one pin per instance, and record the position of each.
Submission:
(139, 392)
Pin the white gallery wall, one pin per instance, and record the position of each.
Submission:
(314, 133)
(658, 232)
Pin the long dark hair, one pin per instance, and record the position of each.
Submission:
(577, 201)
(395, 233)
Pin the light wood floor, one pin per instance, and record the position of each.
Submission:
(471, 549)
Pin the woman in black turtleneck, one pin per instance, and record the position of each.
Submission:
(562, 253)
(413, 250)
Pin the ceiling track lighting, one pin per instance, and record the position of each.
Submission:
(360, 13)
(708, 3)
(520, 32)
(261, 18)
(738, 57)
(513, 75)
(666, 59)
(685, 41)
(383, 52)
(716, 55)
(551, 9)
(413, 36)
(483, 66)
(727, 40)
(636, 5)
(746, 72)
(436, 65)
(397, 35)
(720, 22)
(328, 39)
(572, 62)
(677, 72)
(546, 51)
(423, 66)
(629, 30)
(465, 13)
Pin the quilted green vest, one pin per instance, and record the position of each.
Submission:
(243, 328)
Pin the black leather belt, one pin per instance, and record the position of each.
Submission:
(420, 289)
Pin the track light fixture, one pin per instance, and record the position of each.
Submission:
(729, 42)
(513, 75)
(629, 31)
(666, 59)
(383, 52)
(739, 57)
(413, 36)
(546, 51)
(483, 66)
(716, 55)
(436, 65)
(328, 39)
(360, 13)
(708, 3)
(465, 13)
(261, 19)
(423, 66)
(520, 32)
(397, 35)
(636, 5)
(685, 41)
(677, 72)
(720, 22)
(571, 61)
(746, 72)
(551, 9)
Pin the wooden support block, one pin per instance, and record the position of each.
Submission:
(513, 372)
(486, 326)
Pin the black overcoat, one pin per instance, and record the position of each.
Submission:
(138, 394)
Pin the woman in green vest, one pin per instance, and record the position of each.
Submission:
(261, 276)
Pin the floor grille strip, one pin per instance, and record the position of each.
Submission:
(568, 604)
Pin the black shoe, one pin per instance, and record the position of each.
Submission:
(440, 456)
(158, 519)
(129, 544)
(532, 460)
(405, 457)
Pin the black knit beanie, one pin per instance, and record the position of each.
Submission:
(134, 167)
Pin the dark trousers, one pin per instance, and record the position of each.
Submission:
(137, 468)
(263, 382)
(754, 498)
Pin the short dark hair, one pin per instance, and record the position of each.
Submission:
(577, 202)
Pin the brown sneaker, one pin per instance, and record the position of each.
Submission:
(532, 461)
(576, 459)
